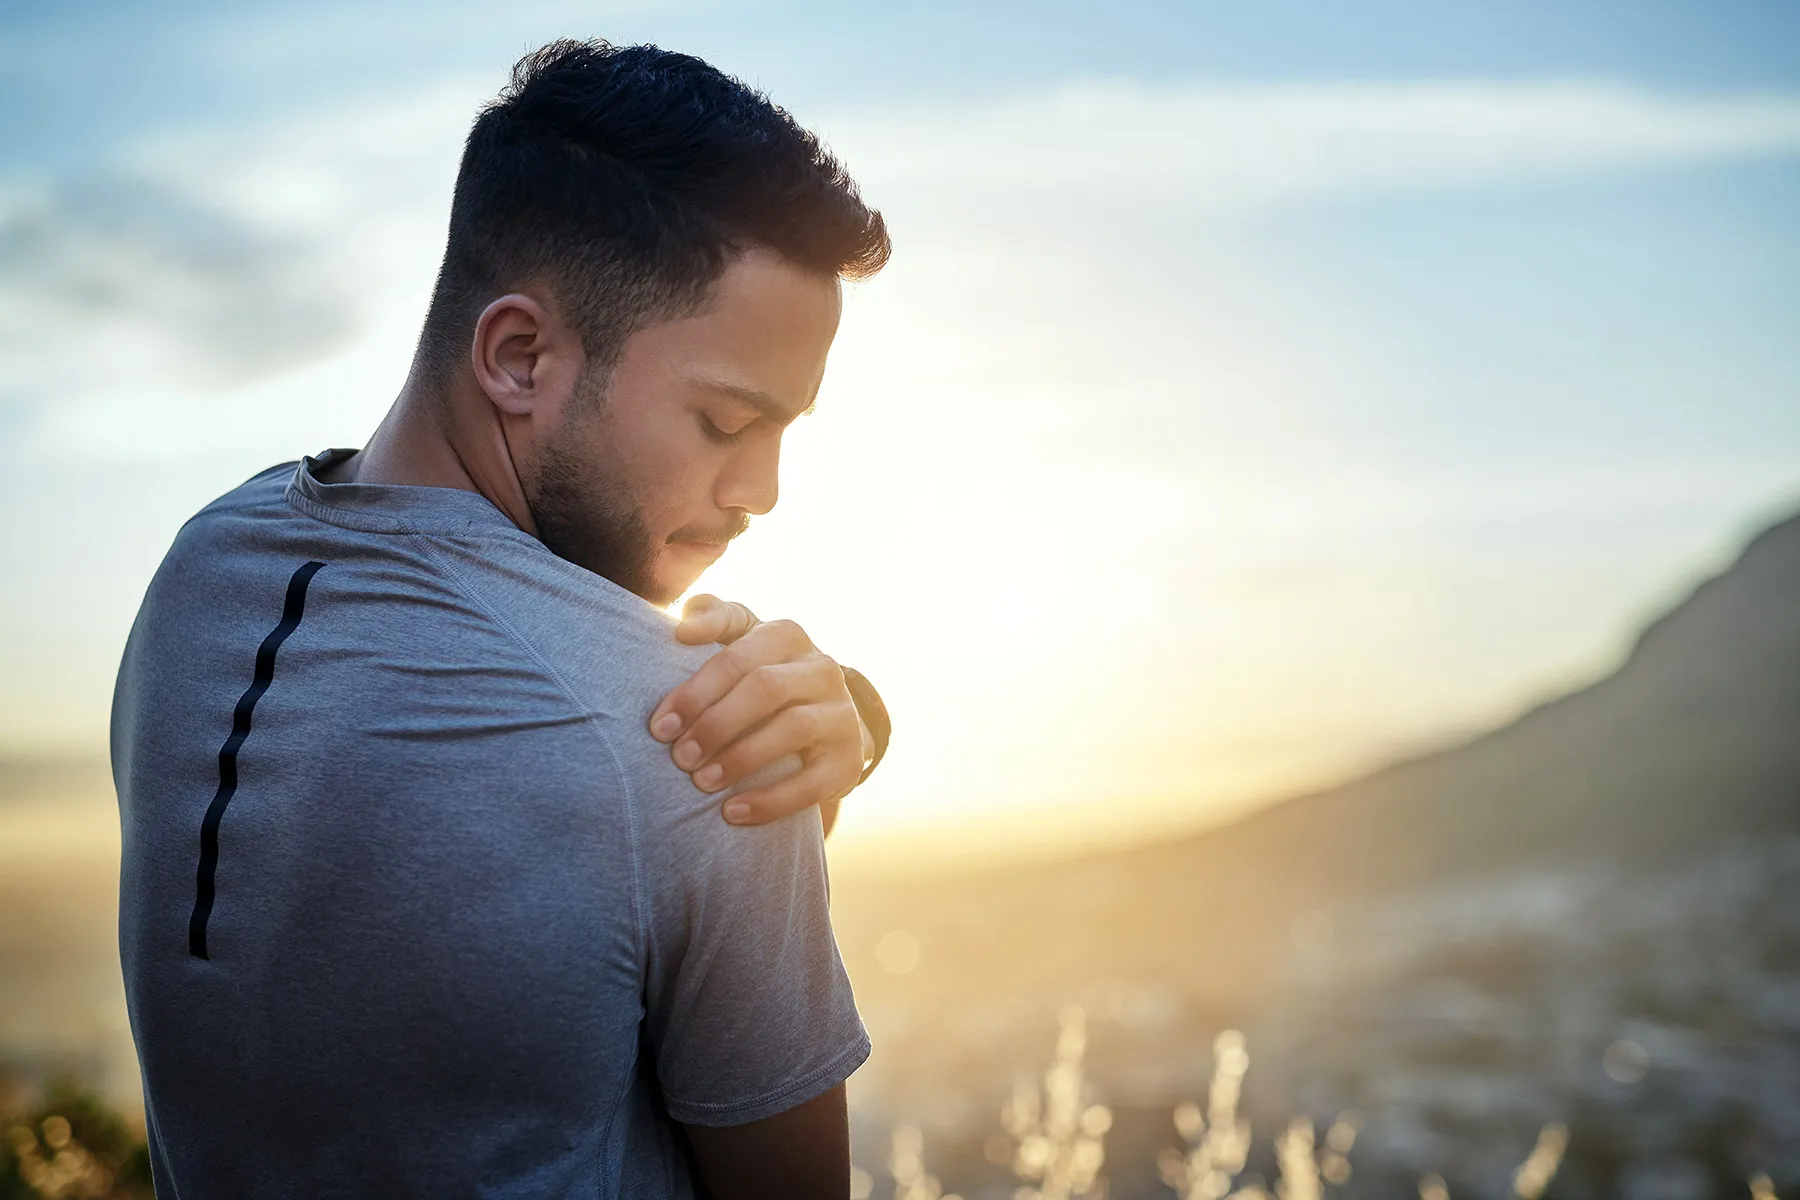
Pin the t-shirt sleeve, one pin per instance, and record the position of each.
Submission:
(748, 1008)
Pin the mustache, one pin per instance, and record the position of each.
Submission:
(723, 534)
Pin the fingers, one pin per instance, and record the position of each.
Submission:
(707, 618)
(766, 643)
(804, 729)
(758, 697)
(699, 692)
(822, 780)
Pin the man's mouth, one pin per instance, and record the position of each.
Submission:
(708, 543)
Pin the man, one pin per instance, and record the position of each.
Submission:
(441, 917)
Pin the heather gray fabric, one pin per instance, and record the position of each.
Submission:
(472, 932)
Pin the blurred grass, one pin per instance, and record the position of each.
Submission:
(68, 1143)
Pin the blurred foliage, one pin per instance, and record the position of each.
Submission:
(71, 1145)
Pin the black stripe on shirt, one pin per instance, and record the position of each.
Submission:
(291, 612)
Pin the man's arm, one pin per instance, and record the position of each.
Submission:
(748, 1012)
(803, 1153)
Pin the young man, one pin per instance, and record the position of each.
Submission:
(443, 917)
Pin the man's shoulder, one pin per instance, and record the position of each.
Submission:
(615, 650)
(616, 656)
(267, 488)
(201, 535)
(487, 608)
(611, 648)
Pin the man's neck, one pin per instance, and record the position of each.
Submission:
(433, 437)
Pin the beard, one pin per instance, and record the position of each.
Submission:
(585, 511)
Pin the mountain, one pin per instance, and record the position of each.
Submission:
(1696, 736)
(1694, 739)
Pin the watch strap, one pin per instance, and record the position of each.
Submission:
(873, 712)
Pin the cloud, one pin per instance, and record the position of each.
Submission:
(106, 281)
(1084, 263)
(1247, 144)
(208, 263)
(213, 285)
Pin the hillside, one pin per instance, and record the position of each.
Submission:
(1695, 738)
(1696, 735)
(1449, 945)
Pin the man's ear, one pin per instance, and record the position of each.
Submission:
(524, 359)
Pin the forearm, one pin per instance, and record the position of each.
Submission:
(802, 1154)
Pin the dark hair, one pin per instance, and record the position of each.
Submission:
(625, 178)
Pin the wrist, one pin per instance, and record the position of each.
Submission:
(871, 715)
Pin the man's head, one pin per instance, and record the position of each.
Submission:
(641, 281)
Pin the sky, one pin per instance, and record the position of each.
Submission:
(1256, 391)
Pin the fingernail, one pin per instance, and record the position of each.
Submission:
(687, 754)
(708, 776)
(737, 810)
(666, 727)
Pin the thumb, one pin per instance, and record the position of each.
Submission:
(703, 619)
(722, 621)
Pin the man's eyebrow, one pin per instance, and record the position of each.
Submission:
(761, 401)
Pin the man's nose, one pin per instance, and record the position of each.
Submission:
(752, 479)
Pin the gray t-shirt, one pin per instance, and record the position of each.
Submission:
(411, 903)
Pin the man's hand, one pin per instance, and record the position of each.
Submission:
(768, 694)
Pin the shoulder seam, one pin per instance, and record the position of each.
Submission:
(633, 832)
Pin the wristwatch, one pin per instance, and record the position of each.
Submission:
(873, 712)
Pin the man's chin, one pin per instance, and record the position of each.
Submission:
(670, 580)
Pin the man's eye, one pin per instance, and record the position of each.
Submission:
(714, 433)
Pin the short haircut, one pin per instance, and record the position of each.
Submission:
(625, 179)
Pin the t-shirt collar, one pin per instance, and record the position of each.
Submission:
(392, 508)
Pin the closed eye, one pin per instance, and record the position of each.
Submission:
(714, 433)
